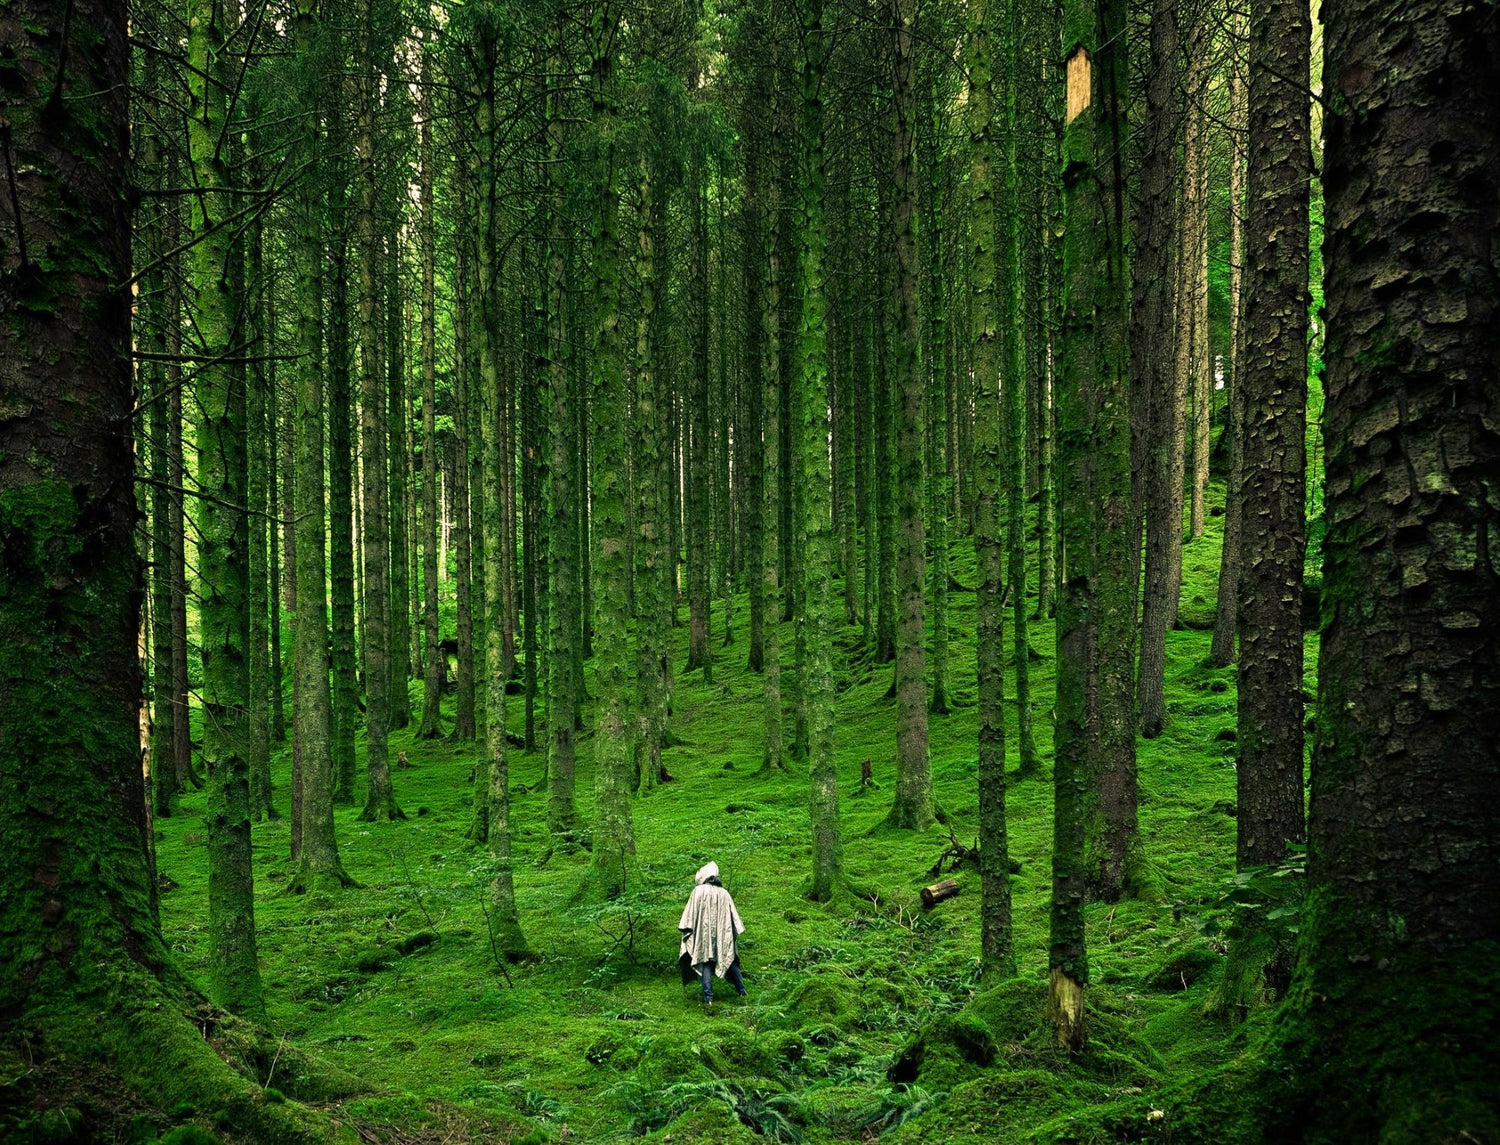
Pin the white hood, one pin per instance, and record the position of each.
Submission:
(705, 873)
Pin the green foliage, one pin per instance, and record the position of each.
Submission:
(598, 1032)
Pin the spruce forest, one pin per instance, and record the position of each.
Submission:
(1015, 484)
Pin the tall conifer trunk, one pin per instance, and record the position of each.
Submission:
(614, 837)
(316, 846)
(812, 442)
(1389, 1032)
(433, 663)
(1274, 380)
(995, 950)
(222, 526)
(380, 802)
(913, 806)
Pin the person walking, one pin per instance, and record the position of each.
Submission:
(710, 929)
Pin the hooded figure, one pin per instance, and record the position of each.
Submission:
(710, 926)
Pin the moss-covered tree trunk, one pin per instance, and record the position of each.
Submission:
(1226, 606)
(340, 419)
(769, 587)
(562, 534)
(1015, 389)
(812, 443)
(614, 836)
(1153, 353)
(699, 467)
(464, 728)
(433, 661)
(86, 981)
(223, 533)
(1274, 382)
(650, 555)
(259, 400)
(380, 802)
(317, 849)
(995, 951)
(1093, 34)
(939, 479)
(1398, 944)
(913, 804)
(398, 418)
(1113, 856)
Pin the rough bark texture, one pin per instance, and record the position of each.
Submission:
(1113, 857)
(1390, 1031)
(223, 532)
(1226, 606)
(995, 949)
(650, 555)
(913, 806)
(770, 588)
(86, 982)
(614, 835)
(1014, 396)
(562, 535)
(1274, 382)
(1153, 354)
(812, 439)
(316, 846)
(380, 802)
(433, 660)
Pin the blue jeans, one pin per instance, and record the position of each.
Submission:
(733, 974)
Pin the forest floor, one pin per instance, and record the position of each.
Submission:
(864, 1017)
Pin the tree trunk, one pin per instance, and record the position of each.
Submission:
(562, 536)
(699, 475)
(995, 950)
(380, 802)
(1274, 382)
(1014, 396)
(1153, 355)
(913, 805)
(614, 837)
(1226, 607)
(345, 694)
(319, 866)
(1399, 929)
(223, 533)
(433, 661)
(464, 727)
(812, 438)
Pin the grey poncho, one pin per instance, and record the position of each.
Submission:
(710, 923)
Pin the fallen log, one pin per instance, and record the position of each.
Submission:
(937, 892)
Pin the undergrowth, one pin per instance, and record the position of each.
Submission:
(865, 1017)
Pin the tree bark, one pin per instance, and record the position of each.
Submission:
(996, 955)
(1399, 929)
(913, 804)
(1274, 382)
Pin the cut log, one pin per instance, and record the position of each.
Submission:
(937, 892)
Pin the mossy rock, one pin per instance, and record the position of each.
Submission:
(372, 959)
(1184, 967)
(731, 1050)
(976, 1110)
(1013, 1010)
(714, 1122)
(418, 941)
(785, 1046)
(947, 1051)
(828, 997)
(188, 1135)
(613, 1048)
(840, 1108)
(672, 1058)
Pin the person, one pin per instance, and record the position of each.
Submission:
(710, 929)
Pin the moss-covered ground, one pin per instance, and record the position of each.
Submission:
(863, 1017)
